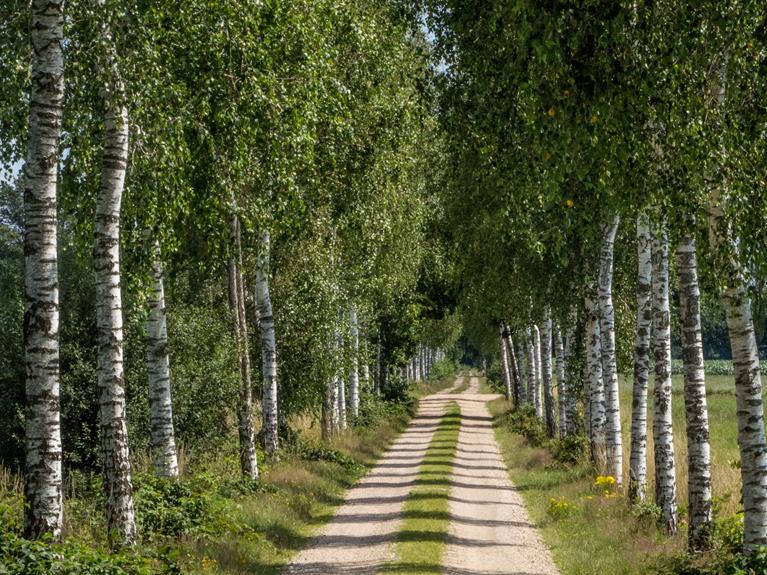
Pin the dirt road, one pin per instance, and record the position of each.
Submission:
(490, 532)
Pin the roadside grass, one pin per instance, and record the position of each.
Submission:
(422, 536)
(210, 521)
(589, 532)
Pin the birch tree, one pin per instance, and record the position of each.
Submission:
(118, 490)
(268, 347)
(354, 379)
(158, 371)
(559, 356)
(644, 290)
(538, 379)
(245, 426)
(548, 388)
(505, 371)
(596, 393)
(43, 510)
(701, 520)
(613, 437)
(663, 437)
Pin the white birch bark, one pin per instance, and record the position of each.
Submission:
(546, 372)
(596, 399)
(43, 509)
(341, 395)
(748, 381)
(158, 370)
(268, 347)
(354, 378)
(700, 512)
(638, 459)
(613, 437)
(245, 426)
(378, 372)
(514, 367)
(559, 356)
(366, 373)
(118, 490)
(663, 438)
(538, 369)
(505, 370)
(531, 376)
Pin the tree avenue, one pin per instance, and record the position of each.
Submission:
(239, 238)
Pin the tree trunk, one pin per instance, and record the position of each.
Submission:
(379, 371)
(43, 509)
(538, 375)
(245, 427)
(748, 381)
(118, 491)
(559, 355)
(340, 384)
(663, 438)
(548, 388)
(531, 375)
(596, 401)
(268, 347)
(354, 378)
(514, 367)
(329, 413)
(505, 371)
(158, 370)
(613, 437)
(571, 394)
(522, 375)
(698, 447)
(638, 460)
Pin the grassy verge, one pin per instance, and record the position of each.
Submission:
(421, 540)
(587, 530)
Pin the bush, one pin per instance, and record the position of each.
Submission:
(19, 556)
(398, 390)
(442, 369)
(570, 450)
(524, 422)
(312, 451)
(172, 507)
(374, 410)
(726, 557)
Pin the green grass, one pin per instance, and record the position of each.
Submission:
(421, 540)
(594, 534)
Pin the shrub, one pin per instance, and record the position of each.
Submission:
(172, 507)
(524, 422)
(19, 556)
(570, 450)
(442, 369)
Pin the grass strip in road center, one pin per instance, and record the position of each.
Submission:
(421, 540)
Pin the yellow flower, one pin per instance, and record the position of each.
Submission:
(569, 203)
(552, 112)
